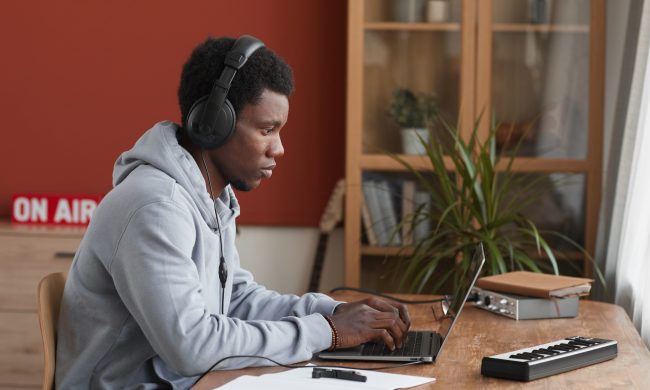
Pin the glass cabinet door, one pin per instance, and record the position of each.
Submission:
(540, 76)
(413, 45)
(543, 96)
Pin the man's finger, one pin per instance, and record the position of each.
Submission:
(381, 305)
(404, 314)
(388, 306)
(397, 308)
(384, 335)
(393, 327)
(392, 317)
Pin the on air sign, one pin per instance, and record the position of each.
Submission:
(40, 209)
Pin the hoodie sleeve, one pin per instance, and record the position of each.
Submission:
(250, 300)
(159, 284)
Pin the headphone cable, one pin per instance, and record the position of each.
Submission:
(223, 269)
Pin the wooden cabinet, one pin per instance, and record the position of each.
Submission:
(26, 255)
(533, 64)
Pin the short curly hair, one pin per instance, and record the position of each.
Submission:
(263, 70)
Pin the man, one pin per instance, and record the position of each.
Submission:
(156, 295)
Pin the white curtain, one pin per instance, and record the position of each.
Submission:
(628, 251)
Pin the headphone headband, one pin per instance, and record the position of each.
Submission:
(243, 48)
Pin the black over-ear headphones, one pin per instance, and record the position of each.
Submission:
(211, 120)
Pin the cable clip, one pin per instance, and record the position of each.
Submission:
(338, 374)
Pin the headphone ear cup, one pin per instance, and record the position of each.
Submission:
(210, 135)
(225, 126)
(194, 121)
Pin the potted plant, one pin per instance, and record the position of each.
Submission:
(415, 114)
(476, 202)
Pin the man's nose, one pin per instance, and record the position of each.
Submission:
(276, 149)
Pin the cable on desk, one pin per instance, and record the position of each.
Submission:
(300, 366)
(400, 300)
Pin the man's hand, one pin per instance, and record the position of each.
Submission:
(371, 319)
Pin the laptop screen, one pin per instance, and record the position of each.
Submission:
(451, 310)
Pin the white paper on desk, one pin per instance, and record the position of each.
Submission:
(376, 380)
(300, 378)
(247, 382)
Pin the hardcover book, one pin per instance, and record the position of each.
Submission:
(377, 220)
(371, 235)
(534, 284)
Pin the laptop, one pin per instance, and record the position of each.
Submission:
(424, 346)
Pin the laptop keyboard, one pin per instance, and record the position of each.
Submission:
(412, 347)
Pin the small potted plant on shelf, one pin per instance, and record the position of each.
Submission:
(475, 202)
(415, 114)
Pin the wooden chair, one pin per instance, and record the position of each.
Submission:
(50, 292)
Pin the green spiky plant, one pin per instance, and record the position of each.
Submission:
(475, 202)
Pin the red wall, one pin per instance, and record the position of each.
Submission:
(82, 80)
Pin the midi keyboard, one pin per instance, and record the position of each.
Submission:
(549, 359)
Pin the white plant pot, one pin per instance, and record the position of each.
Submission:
(437, 11)
(411, 143)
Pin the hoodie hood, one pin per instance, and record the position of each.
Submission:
(159, 148)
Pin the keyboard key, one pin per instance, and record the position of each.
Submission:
(580, 342)
(588, 341)
(412, 343)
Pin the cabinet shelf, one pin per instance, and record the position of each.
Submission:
(397, 251)
(500, 27)
(380, 251)
(379, 162)
(523, 27)
(396, 26)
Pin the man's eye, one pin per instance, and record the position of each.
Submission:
(268, 130)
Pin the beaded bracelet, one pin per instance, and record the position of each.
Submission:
(335, 334)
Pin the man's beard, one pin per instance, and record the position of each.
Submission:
(240, 185)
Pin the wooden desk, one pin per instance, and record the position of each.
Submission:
(479, 333)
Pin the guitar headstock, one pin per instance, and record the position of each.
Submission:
(333, 213)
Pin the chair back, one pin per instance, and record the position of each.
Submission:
(50, 293)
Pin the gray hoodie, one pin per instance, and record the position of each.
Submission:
(141, 306)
